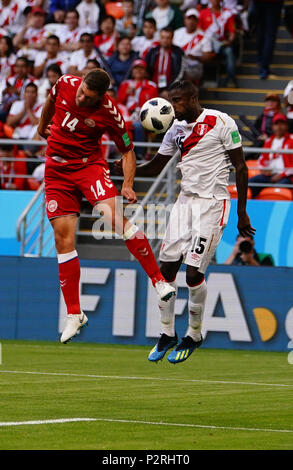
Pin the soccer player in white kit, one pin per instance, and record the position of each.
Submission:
(209, 142)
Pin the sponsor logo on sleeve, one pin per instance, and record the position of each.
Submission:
(235, 137)
(126, 139)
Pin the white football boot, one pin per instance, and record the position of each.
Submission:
(164, 290)
(74, 323)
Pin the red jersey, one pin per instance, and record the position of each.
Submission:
(76, 131)
(219, 24)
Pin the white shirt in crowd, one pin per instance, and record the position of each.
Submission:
(78, 59)
(61, 59)
(203, 145)
(276, 165)
(195, 44)
(141, 44)
(25, 129)
(89, 14)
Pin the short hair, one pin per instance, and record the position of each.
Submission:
(151, 21)
(54, 68)
(185, 86)
(9, 44)
(53, 36)
(72, 11)
(97, 80)
(87, 35)
(31, 85)
(24, 59)
(167, 29)
(108, 17)
(93, 61)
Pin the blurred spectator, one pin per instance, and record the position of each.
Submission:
(262, 128)
(10, 15)
(79, 58)
(244, 254)
(15, 85)
(24, 115)
(165, 61)
(53, 73)
(264, 121)
(197, 48)
(57, 27)
(69, 37)
(166, 15)
(55, 6)
(7, 60)
(219, 25)
(126, 26)
(288, 100)
(266, 14)
(10, 169)
(105, 40)
(133, 94)
(90, 65)
(32, 37)
(150, 38)
(89, 14)
(276, 167)
(120, 62)
(51, 55)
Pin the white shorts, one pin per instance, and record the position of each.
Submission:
(194, 230)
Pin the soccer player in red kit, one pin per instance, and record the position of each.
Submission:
(81, 111)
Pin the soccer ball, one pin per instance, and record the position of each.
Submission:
(157, 115)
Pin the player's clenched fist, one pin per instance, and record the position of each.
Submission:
(129, 194)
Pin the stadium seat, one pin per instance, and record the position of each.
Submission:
(252, 164)
(233, 192)
(275, 194)
(115, 9)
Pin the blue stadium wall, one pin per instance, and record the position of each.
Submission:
(247, 308)
(273, 221)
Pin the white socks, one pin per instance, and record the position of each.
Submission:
(196, 303)
(167, 313)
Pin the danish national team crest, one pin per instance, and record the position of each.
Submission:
(201, 129)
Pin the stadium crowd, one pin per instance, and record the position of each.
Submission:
(143, 45)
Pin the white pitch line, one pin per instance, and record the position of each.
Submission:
(45, 421)
(149, 423)
(186, 425)
(164, 379)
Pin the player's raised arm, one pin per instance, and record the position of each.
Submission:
(237, 158)
(154, 166)
(46, 117)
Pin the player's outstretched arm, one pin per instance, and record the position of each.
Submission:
(238, 160)
(46, 117)
(128, 168)
(154, 166)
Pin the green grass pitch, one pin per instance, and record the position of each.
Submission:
(228, 399)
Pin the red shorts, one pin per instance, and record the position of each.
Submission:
(66, 183)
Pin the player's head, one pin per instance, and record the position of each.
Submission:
(183, 95)
(92, 88)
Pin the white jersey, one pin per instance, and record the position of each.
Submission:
(203, 145)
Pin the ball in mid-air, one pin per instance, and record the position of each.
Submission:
(157, 115)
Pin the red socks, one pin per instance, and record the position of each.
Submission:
(69, 276)
(139, 247)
